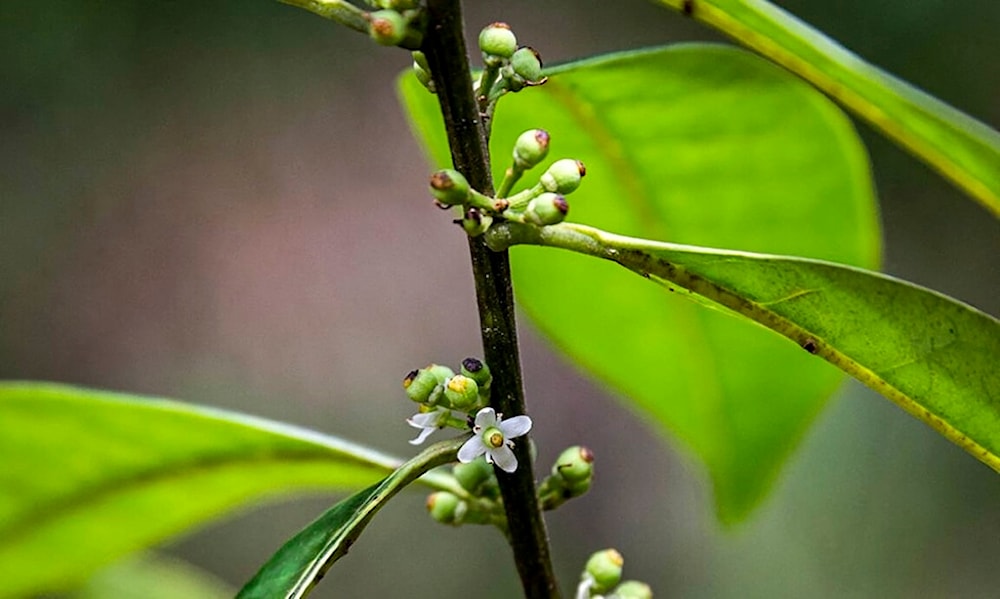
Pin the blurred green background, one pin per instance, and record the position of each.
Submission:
(221, 202)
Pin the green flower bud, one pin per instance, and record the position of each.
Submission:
(527, 64)
(478, 371)
(633, 589)
(605, 568)
(475, 222)
(574, 465)
(446, 508)
(450, 187)
(387, 27)
(420, 59)
(578, 488)
(422, 73)
(442, 373)
(473, 475)
(563, 176)
(531, 148)
(546, 209)
(420, 384)
(461, 391)
(497, 40)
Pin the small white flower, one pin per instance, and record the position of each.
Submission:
(428, 422)
(492, 435)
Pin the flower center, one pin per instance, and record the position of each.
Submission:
(492, 437)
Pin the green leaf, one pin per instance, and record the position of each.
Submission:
(699, 144)
(295, 569)
(932, 355)
(962, 149)
(153, 576)
(88, 476)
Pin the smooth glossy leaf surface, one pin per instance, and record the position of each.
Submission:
(698, 144)
(296, 568)
(932, 355)
(959, 147)
(88, 476)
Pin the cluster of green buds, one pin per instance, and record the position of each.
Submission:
(507, 67)
(542, 204)
(447, 398)
(571, 476)
(476, 500)
(601, 579)
(396, 23)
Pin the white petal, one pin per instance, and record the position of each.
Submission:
(424, 433)
(486, 418)
(429, 419)
(504, 458)
(515, 427)
(472, 449)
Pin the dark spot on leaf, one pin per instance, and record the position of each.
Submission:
(810, 345)
(687, 7)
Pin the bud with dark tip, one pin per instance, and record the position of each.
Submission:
(449, 187)
(387, 27)
(527, 64)
(546, 209)
(420, 384)
(531, 148)
(563, 176)
(475, 222)
(477, 371)
(574, 464)
(497, 40)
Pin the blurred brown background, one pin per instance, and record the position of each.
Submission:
(221, 202)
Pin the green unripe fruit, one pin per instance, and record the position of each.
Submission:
(563, 176)
(574, 465)
(420, 384)
(473, 475)
(531, 148)
(387, 27)
(461, 392)
(450, 187)
(633, 589)
(546, 209)
(527, 64)
(605, 567)
(497, 40)
(446, 508)
(478, 371)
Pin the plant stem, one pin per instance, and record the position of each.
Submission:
(444, 47)
(340, 11)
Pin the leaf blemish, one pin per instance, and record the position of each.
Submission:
(810, 345)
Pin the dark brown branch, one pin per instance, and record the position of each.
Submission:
(444, 47)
